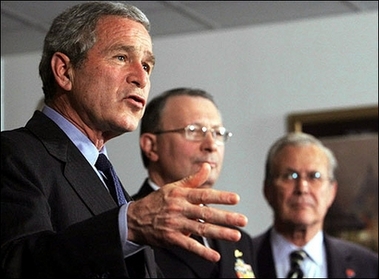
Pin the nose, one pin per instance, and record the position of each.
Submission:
(302, 184)
(209, 142)
(138, 76)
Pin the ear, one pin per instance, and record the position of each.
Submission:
(267, 191)
(61, 67)
(148, 146)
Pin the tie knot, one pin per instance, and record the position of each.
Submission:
(297, 256)
(103, 163)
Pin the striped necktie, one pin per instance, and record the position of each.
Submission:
(296, 258)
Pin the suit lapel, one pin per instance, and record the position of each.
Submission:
(87, 184)
(78, 172)
(266, 266)
(338, 258)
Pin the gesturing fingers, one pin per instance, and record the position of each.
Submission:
(196, 179)
(207, 230)
(196, 247)
(207, 214)
(169, 215)
(205, 196)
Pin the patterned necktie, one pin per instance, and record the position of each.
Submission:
(111, 179)
(296, 258)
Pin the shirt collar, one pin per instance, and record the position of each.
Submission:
(152, 184)
(81, 141)
(315, 248)
(282, 247)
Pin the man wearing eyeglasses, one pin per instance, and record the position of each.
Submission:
(300, 186)
(181, 129)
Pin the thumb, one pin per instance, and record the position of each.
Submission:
(198, 178)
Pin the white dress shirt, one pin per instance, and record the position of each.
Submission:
(313, 266)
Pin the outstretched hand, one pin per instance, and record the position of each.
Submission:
(171, 214)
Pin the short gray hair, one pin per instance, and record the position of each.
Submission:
(73, 33)
(297, 139)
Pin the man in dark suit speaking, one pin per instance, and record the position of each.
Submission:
(64, 212)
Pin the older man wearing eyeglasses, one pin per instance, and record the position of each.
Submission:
(300, 186)
(181, 129)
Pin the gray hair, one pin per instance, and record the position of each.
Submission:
(298, 139)
(73, 33)
(151, 119)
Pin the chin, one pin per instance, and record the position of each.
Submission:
(130, 124)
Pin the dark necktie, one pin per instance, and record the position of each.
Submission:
(111, 179)
(205, 241)
(141, 264)
(296, 258)
(211, 270)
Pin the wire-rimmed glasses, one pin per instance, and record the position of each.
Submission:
(195, 132)
(312, 177)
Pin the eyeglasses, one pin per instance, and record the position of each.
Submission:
(313, 177)
(195, 132)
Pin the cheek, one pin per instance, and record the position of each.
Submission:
(277, 197)
(147, 87)
(173, 149)
(221, 154)
(181, 152)
(90, 84)
(327, 197)
(282, 193)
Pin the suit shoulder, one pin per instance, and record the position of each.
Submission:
(354, 248)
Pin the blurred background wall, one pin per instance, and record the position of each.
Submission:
(258, 75)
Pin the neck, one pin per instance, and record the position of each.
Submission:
(299, 235)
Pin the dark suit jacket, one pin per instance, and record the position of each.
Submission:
(57, 218)
(343, 258)
(180, 263)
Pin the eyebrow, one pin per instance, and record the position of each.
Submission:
(150, 58)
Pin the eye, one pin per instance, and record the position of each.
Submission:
(315, 175)
(290, 175)
(121, 58)
(220, 131)
(195, 131)
(147, 68)
(191, 128)
(294, 175)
